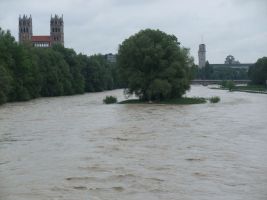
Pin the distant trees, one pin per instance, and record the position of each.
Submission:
(206, 72)
(258, 72)
(229, 60)
(219, 73)
(154, 66)
(27, 72)
(210, 72)
(18, 72)
(230, 85)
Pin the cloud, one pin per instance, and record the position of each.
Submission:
(99, 26)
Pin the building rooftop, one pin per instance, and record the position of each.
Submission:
(41, 38)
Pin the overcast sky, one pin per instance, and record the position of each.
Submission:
(237, 27)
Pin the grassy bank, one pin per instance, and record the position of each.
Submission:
(251, 87)
(245, 88)
(179, 101)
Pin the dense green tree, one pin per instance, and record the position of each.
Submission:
(258, 71)
(5, 84)
(99, 74)
(75, 67)
(220, 73)
(55, 72)
(27, 72)
(19, 64)
(94, 81)
(206, 72)
(6, 59)
(229, 60)
(26, 75)
(194, 74)
(154, 66)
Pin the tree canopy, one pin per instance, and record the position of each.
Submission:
(258, 72)
(209, 72)
(154, 66)
(231, 60)
(27, 72)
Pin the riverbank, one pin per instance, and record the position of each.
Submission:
(252, 88)
(259, 89)
(179, 101)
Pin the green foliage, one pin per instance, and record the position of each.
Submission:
(176, 101)
(230, 85)
(110, 100)
(194, 72)
(133, 101)
(231, 60)
(186, 100)
(27, 72)
(251, 87)
(214, 99)
(258, 72)
(223, 84)
(154, 66)
(206, 72)
(220, 73)
(5, 84)
(227, 73)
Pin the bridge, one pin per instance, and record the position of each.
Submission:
(212, 82)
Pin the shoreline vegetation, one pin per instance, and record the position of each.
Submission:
(241, 90)
(28, 72)
(259, 89)
(178, 101)
(161, 74)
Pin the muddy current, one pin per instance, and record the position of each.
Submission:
(77, 148)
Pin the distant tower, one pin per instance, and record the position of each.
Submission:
(202, 56)
(25, 29)
(57, 30)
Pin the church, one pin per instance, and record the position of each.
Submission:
(56, 32)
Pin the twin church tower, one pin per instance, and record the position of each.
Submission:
(56, 32)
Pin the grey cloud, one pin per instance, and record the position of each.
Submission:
(99, 26)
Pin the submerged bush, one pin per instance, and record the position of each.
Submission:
(230, 85)
(223, 84)
(215, 99)
(110, 100)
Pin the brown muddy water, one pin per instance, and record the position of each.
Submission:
(76, 148)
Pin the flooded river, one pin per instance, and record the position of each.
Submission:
(76, 148)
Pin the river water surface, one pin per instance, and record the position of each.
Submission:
(76, 148)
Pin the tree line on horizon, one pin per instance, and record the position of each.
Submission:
(151, 64)
(27, 72)
(208, 72)
(257, 72)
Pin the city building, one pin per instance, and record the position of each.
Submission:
(56, 32)
(202, 55)
(111, 58)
